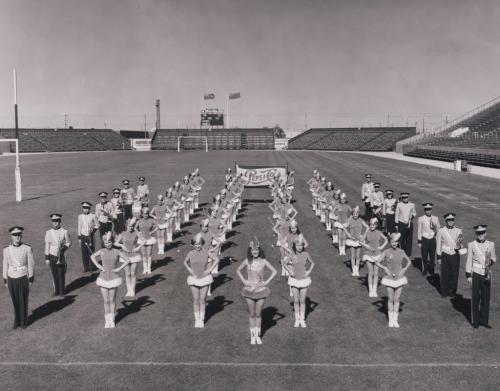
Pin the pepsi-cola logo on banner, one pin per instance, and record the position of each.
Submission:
(260, 176)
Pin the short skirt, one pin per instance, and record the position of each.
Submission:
(352, 243)
(302, 283)
(163, 226)
(189, 199)
(108, 280)
(200, 282)
(331, 216)
(134, 258)
(251, 293)
(148, 242)
(394, 283)
(338, 225)
(462, 251)
(371, 258)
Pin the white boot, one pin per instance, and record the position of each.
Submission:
(297, 320)
(391, 324)
(202, 318)
(375, 291)
(303, 320)
(144, 268)
(106, 321)
(395, 320)
(169, 237)
(161, 246)
(257, 336)
(197, 319)
(252, 336)
(328, 226)
(111, 321)
(335, 239)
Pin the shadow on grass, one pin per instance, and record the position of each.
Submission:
(462, 305)
(232, 233)
(51, 307)
(132, 307)
(52, 194)
(220, 280)
(173, 245)
(226, 261)
(435, 282)
(216, 305)
(161, 262)
(81, 282)
(149, 281)
(236, 223)
(228, 245)
(270, 318)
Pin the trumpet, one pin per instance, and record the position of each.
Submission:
(60, 253)
(459, 243)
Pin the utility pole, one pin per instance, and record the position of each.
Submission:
(65, 121)
(16, 121)
(305, 120)
(145, 127)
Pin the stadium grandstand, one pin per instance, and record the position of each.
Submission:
(64, 140)
(217, 139)
(351, 139)
(472, 137)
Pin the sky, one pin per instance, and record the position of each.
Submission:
(296, 63)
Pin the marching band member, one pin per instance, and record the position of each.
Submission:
(389, 211)
(428, 225)
(299, 279)
(87, 225)
(320, 199)
(312, 184)
(158, 213)
(375, 241)
(405, 213)
(281, 229)
(18, 275)
(200, 276)
(327, 201)
(332, 216)
(186, 194)
(143, 191)
(109, 280)
(177, 195)
(290, 181)
(229, 175)
(376, 200)
(314, 188)
(117, 215)
(104, 214)
(480, 257)
(127, 196)
(137, 208)
(356, 228)
(255, 290)
(146, 227)
(343, 211)
(56, 243)
(198, 183)
(394, 278)
(173, 206)
(128, 241)
(294, 234)
(366, 190)
(448, 249)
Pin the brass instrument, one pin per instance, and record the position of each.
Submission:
(487, 265)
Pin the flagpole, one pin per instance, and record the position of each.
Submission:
(16, 121)
(227, 111)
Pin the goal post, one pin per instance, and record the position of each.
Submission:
(203, 140)
(17, 170)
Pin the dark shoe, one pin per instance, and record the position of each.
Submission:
(24, 326)
(476, 326)
(15, 326)
(486, 326)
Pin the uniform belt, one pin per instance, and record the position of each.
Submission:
(18, 268)
(426, 235)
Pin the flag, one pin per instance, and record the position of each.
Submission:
(234, 95)
(209, 96)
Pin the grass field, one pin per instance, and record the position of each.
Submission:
(347, 344)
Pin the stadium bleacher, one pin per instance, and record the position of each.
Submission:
(478, 145)
(350, 139)
(63, 140)
(255, 138)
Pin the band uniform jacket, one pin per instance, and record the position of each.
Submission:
(476, 257)
(87, 223)
(366, 190)
(55, 239)
(18, 261)
(446, 240)
(424, 227)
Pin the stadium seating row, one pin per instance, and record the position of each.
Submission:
(59, 140)
(167, 139)
(350, 139)
(450, 155)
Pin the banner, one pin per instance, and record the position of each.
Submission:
(234, 95)
(260, 176)
(208, 96)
